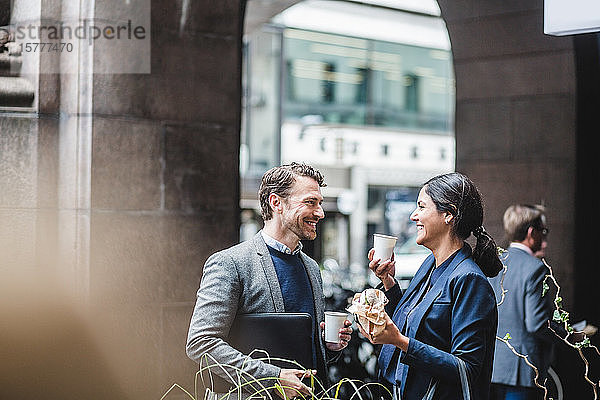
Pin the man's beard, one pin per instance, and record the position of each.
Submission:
(300, 231)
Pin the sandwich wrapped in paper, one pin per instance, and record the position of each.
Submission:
(368, 307)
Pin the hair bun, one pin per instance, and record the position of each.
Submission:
(479, 231)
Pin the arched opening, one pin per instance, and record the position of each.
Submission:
(516, 114)
(363, 90)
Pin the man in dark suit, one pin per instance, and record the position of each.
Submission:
(268, 273)
(523, 312)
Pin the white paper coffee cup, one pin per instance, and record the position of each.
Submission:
(384, 246)
(334, 321)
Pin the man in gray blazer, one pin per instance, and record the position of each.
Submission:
(523, 312)
(268, 273)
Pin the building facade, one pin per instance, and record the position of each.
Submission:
(369, 104)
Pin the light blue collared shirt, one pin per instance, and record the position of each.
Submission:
(277, 245)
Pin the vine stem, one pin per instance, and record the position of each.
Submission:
(570, 331)
(526, 359)
(503, 254)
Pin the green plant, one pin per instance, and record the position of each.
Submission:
(265, 387)
(506, 340)
(560, 317)
(503, 254)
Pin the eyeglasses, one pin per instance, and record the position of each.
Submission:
(543, 230)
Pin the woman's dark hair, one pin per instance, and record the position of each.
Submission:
(456, 194)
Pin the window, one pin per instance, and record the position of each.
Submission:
(362, 82)
(362, 88)
(411, 102)
(328, 83)
(414, 152)
(385, 149)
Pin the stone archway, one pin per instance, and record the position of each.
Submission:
(516, 120)
(526, 123)
(162, 149)
(516, 115)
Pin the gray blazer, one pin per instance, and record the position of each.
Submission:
(241, 280)
(524, 314)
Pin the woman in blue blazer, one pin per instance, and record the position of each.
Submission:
(438, 341)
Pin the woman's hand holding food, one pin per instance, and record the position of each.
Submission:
(389, 335)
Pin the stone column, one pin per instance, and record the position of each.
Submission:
(515, 116)
(164, 185)
(123, 184)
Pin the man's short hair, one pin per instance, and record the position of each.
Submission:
(279, 180)
(519, 217)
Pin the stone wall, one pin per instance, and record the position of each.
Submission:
(123, 184)
(164, 185)
(516, 116)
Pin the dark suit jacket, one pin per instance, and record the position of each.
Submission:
(524, 314)
(453, 329)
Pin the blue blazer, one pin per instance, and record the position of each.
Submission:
(452, 334)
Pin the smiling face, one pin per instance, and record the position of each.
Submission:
(301, 210)
(432, 228)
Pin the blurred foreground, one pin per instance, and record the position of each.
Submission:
(50, 349)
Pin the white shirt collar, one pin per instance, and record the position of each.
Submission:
(522, 247)
(277, 245)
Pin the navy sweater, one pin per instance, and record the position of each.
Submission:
(295, 287)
